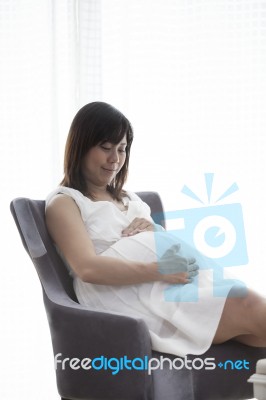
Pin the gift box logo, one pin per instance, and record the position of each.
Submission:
(216, 231)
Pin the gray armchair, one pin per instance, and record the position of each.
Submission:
(79, 333)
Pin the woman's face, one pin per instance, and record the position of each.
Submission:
(103, 161)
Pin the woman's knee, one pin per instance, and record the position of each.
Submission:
(246, 311)
(238, 309)
(241, 316)
(252, 301)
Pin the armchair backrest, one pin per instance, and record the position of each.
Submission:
(29, 216)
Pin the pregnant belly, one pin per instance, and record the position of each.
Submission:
(150, 246)
(144, 246)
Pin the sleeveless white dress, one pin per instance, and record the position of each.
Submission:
(182, 319)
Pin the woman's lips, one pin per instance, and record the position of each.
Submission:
(109, 170)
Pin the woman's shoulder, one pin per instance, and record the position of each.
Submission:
(132, 196)
(138, 202)
(63, 191)
(62, 195)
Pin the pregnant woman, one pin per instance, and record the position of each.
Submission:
(123, 263)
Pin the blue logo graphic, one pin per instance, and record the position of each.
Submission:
(214, 235)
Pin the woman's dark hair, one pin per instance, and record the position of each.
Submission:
(95, 123)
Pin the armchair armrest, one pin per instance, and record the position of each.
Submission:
(80, 333)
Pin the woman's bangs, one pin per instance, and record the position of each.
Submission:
(116, 134)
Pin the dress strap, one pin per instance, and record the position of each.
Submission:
(76, 195)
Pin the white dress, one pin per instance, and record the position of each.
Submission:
(182, 319)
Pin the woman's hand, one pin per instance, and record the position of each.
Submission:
(176, 269)
(138, 225)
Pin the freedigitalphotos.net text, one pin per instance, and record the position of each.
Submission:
(115, 365)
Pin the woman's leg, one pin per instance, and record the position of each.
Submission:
(243, 319)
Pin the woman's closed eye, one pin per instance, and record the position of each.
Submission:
(121, 150)
(106, 148)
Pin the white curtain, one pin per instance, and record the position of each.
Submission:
(191, 77)
(50, 65)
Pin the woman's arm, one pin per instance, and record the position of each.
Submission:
(68, 231)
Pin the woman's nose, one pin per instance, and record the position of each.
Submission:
(113, 156)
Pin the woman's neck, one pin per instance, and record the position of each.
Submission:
(103, 194)
(99, 192)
